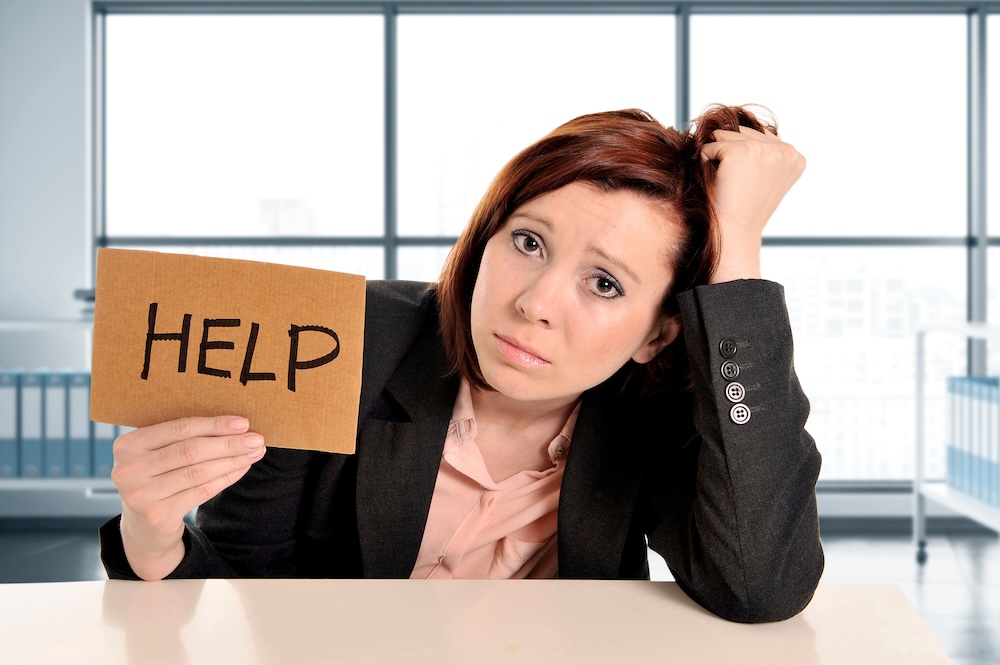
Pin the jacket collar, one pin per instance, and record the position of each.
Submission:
(399, 454)
(599, 489)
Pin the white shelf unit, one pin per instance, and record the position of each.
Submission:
(57, 497)
(938, 491)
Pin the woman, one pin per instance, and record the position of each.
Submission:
(600, 366)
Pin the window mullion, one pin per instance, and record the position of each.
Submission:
(977, 273)
(391, 195)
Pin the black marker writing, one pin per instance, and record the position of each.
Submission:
(246, 374)
(152, 336)
(295, 364)
(293, 352)
(203, 367)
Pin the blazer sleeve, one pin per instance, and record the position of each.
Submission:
(248, 530)
(735, 518)
(293, 513)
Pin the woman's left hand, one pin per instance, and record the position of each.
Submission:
(756, 170)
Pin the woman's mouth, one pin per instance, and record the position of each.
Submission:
(518, 355)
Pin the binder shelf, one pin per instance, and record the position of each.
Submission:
(54, 462)
(970, 489)
(58, 497)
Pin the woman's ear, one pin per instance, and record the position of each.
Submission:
(663, 333)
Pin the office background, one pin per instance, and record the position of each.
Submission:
(358, 136)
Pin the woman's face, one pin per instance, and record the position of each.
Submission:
(569, 289)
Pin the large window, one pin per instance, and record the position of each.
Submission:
(854, 312)
(462, 117)
(877, 105)
(993, 177)
(246, 126)
(518, 77)
(993, 133)
(361, 137)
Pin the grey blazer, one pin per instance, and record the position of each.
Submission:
(730, 505)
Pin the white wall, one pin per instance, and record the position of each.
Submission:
(45, 225)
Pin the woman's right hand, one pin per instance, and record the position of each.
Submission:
(164, 471)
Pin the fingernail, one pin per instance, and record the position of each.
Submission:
(253, 441)
(256, 454)
(238, 424)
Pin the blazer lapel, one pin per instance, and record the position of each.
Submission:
(599, 490)
(399, 454)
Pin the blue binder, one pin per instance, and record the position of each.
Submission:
(975, 392)
(974, 449)
(104, 438)
(965, 452)
(54, 433)
(32, 413)
(993, 446)
(79, 457)
(951, 468)
(10, 410)
(984, 472)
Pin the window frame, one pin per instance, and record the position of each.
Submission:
(976, 239)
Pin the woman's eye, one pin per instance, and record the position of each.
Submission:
(526, 241)
(606, 286)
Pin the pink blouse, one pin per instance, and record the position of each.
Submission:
(478, 528)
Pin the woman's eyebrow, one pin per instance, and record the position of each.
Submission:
(535, 218)
(590, 248)
(618, 262)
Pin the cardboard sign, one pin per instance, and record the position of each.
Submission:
(178, 335)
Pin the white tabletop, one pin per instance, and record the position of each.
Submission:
(299, 622)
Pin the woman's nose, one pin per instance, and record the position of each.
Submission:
(538, 301)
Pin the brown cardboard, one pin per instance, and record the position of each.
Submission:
(318, 410)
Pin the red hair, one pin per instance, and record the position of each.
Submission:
(614, 150)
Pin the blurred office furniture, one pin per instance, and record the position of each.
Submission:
(54, 462)
(952, 493)
(973, 449)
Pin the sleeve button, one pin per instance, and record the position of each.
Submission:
(740, 413)
(730, 370)
(735, 392)
(727, 348)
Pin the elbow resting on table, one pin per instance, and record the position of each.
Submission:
(774, 589)
(785, 603)
(778, 597)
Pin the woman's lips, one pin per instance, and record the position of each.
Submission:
(517, 354)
